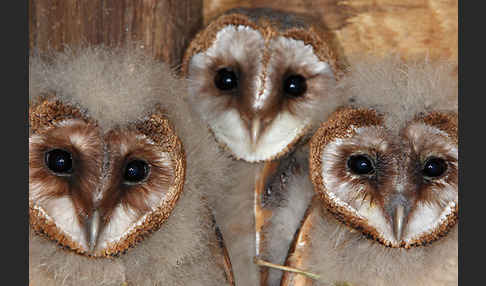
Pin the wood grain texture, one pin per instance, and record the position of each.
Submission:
(410, 28)
(164, 28)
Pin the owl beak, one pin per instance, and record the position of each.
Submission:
(92, 228)
(398, 222)
(255, 132)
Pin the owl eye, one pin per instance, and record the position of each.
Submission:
(434, 167)
(136, 171)
(360, 165)
(226, 79)
(59, 161)
(295, 85)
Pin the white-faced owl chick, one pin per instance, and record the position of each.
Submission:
(385, 173)
(261, 78)
(118, 171)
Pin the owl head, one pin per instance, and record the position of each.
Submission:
(387, 165)
(117, 168)
(259, 78)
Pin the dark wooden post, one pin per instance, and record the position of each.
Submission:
(163, 27)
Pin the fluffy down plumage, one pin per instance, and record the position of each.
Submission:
(116, 88)
(400, 91)
(256, 120)
(287, 194)
(340, 254)
(233, 212)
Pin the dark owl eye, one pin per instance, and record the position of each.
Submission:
(136, 171)
(360, 165)
(59, 161)
(295, 85)
(434, 167)
(226, 79)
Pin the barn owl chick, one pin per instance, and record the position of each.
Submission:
(385, 170)
(259, 78)
(117, 173)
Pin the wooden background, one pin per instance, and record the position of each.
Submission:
(165, 27)
(408, 27)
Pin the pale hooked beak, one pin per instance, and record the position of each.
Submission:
(255, 132)
(93, 227)
(398, 222)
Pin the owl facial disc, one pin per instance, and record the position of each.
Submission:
(258, 85)
(99, 192)
(399, 188)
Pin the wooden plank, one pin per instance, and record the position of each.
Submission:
(163, 27)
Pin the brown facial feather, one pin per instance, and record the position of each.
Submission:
(426, 191)
(58, 126)
(241, 98)
(337, 126)
(434, 146)
(401, 159)
(238, 98)
(255, 113)
(133, 196)
(445, 121)
(280, 19)
(301, 29)
(204, 39)
(275, 102)
(317, 85)
(162, 133)
(325, 46)
(46, 111)
(371, 183)
(62, 131)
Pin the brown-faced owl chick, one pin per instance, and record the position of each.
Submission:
(385, 173)
(118, 170)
